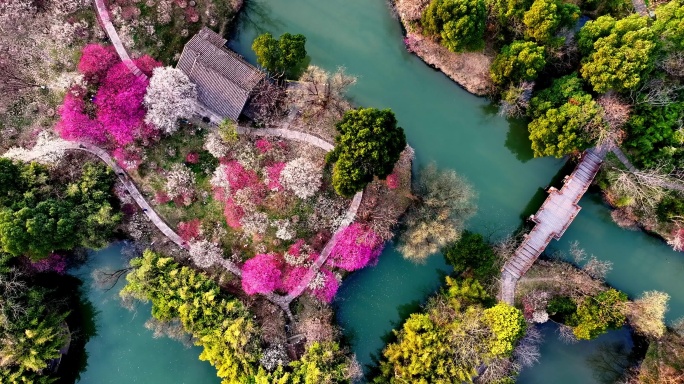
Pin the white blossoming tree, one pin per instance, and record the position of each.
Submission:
(301, 177)
(215, 145)
(180, 181)
(170, 96)
(205, 253)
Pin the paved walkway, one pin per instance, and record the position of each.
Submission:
(286, 133)
(640, 7)
(551, 220)
(106, 23)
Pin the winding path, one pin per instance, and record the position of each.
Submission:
(551, 220)
(282, 301)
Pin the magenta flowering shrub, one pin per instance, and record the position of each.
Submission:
(115, 113)
(119, 103)
(263, 145)
(190, 230)
(356, 247)
(95, 61)
(233, 213)
(326, 289)
(161, 197)
(392, 181)
(273, 176)
(74, 123)
(53, 263)
(261, 274)
(293, 277)
(238, 177)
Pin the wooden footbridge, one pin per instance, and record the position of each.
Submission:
(551, 220)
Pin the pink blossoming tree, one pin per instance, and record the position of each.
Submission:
(190, 230)
(356, 247)
(261, 274)
(95, 61)
(326, 289)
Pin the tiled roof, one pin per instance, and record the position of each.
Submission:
(224, 80)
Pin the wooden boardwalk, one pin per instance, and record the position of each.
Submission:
(551, 221)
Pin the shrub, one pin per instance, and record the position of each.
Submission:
(261, 274)
(561, 308)
(472, 253)
(95, 61)
(356, 247)
(595, 315)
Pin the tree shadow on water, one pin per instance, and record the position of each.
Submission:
(611, 361)
(518, 140)
(257, 16)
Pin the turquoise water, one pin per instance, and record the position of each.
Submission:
(123, 350)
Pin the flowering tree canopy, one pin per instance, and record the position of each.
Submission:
(205, 253)
(356, 247)
(95, 61)
(302, 177)
(170, 96)
(74, 122)
(324, 285)
(261, 274)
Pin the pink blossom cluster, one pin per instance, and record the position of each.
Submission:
(273, 176)
(261, 274)
(356, 247)
(53, 263)
(293, 277)
(161, 197)
(116, 111)
(190, 230)
(233, 213)
(263, 146)
(192, 158)
(128, 159)
(329, 288)
(238, 177)
(392, 181)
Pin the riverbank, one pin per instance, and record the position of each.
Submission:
(470, 70)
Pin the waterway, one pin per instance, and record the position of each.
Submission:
(444, 124)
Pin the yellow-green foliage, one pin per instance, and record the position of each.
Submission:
(221, 325)
(454, 337)
(322, 363)
(620, 53)
(508, 325)
(595, 315)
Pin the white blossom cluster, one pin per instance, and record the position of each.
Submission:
(301, 177)
(245, 199)
(47, 150)
(248, 158)
(179, 181)
(170, 96)
(254, 223)
(219, 180)
(301, 260)
(317, 282)
(327, 214)
(216, 146)
(164, 9)
(273, 357)
(540, 317)
(285, 230)
(205, 253)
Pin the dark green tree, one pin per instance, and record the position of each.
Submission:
(285, 56)
(546, 17)
(472, 254)
(619, 54)
(653, 135)
(460, 24)
(521, 60)
(368, 145)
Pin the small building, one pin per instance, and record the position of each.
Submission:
(223, 78)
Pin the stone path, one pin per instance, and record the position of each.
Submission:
(286, 133)
(106, 23)
(551, 220)
(640, 7)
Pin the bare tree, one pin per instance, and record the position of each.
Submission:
(673, 64)
(526, 353)
(321, 97)
(516, 99)
(566, 335)
(656, 92)
(267, 103)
